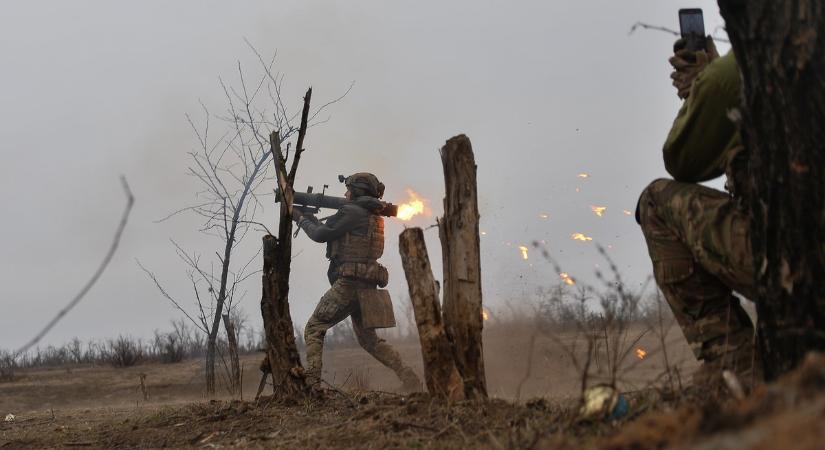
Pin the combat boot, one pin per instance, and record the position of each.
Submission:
(746, 367)
(409, 381)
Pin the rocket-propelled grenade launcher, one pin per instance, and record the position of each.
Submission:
(310, 203)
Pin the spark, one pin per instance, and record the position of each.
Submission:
(627, 213)
(544, 216)
(523, 252)
(598, 210)
(583, 175)
(567, 279)
(580, 237)
(641, 353)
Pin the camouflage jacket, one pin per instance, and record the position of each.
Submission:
(704, 139)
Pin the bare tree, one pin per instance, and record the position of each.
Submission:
(231, 166)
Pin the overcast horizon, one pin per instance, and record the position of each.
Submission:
(546, 91)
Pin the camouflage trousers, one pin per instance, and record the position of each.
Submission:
(338, 303)
(698, 240)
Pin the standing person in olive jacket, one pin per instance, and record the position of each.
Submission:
(355, 240)
(698, 237)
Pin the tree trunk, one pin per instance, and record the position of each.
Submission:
(282, 354)
(210, 365)
(458, 230)
(440, 372)
(780, 48)
(284, 360)
(235, 369)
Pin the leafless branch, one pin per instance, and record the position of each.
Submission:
(169, 297)
(130, 201)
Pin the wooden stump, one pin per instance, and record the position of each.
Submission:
(282, 353)
(440, 372)
(459, 234)
(235, 366)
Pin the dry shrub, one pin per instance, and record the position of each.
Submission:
(7, 366)
(124, 351)
(169, 348)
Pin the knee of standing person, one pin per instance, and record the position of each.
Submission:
(315, 328)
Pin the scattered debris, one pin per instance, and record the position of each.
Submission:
(603, 402)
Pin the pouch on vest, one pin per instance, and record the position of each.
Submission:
(376, 308)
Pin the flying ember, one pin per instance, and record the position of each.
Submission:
(598, 210)
(485, 314)
(627, 213)
(583, 175)
(412, 207)
(567, 279)
(544, 216)
(523, 252)
(641, 353)
(580, 237)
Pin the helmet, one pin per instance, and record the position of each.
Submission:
(366, 183)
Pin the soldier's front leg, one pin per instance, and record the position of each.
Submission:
(333, 307)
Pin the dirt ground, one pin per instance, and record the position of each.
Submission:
(103, 407)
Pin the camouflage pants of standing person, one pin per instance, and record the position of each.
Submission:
(698, 240)
(338, 303)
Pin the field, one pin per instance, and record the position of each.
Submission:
(532, 407)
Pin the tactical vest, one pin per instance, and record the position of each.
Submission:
(357, 255)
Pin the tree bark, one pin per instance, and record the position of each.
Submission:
(458, 230)
(440, 372)
(780, 49)
(232, 341)
(282, 354)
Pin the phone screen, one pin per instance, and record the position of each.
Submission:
(691, 22)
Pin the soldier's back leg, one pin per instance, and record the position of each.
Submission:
(384, 353)
(697, 238)
(335, 305)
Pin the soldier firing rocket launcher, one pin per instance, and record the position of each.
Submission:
(310, 203)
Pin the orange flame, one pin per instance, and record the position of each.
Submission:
(567, 279)
(523, 250)
(598, 210)
(412, 207)
(580, 237)
(641, 353)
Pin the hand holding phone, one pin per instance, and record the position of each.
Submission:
(692, 28)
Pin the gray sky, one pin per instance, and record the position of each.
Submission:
(545, 90)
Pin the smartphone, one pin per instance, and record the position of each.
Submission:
(692, 27)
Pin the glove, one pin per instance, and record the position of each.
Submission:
(688, 64)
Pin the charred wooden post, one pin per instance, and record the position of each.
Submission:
(459, 234)
(780, 49)
(234, 362)
(282, 354)
(440, 372)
